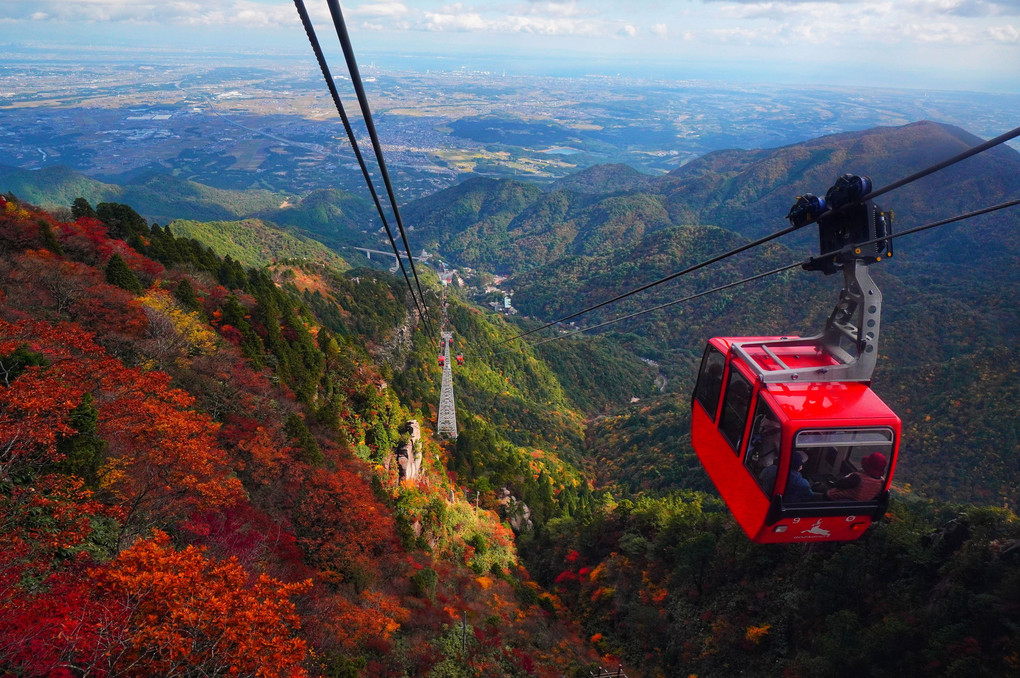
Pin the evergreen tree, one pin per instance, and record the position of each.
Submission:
(185, 293)
(84, 451)
(49, 240)
(309, 449)
(82, 208)
(15, 362)
(123, 222)
(118, 273)
(233, 314)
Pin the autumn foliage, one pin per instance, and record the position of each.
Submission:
(197, 478)
(185, 613)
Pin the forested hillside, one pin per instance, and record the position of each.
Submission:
(197, 475)
(158, 196)
(254, 243)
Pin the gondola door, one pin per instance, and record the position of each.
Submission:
(720, 426)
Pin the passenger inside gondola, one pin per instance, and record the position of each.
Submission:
(863, 485)
(844, 465)
(798, 488)
(763, 448)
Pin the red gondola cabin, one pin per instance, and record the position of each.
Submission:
(788, 428)
(746, 430)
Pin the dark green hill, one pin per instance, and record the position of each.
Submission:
(471, 222)
(603, 179)
(255, 243)
(164, 198)
(505, 225)
(332, 216)
(56, 186)
(156, 196)
(751, 191)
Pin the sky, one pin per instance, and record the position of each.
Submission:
(923, 44)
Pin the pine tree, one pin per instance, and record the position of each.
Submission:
(49, 240)
(82, 208)
(299, 433)
(118, 273)
(84, 451)
(185, 293)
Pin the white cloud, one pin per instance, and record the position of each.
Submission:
(966, 8)
(528, 20)
(383, 9)
(455, 21)
(179, 12)
(1005, 33)
(567, 8)
(938, 33)
(628, 31)
(736, 34)
(660, 30)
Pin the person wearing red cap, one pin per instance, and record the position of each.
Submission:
(862, 485)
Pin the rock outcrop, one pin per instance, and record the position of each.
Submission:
(409, 452)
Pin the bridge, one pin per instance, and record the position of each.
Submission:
(369, 252)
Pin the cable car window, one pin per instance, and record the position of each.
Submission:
(736, 404)
(826, 438)
(845, 464)
(763, 447)
(710, 380)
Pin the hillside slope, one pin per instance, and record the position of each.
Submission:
(253, 243)
(199, 475)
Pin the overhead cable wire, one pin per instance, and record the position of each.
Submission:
(324, 67)
(973, 150)
(366, 111)
(759, 276)
(689, 269)
(671, 303)
(979, 148)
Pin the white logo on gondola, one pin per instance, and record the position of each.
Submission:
(816, 530)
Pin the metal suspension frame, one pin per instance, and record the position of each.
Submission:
(850, 336)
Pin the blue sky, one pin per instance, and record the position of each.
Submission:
(927, 44)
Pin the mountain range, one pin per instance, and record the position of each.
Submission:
(950, 292)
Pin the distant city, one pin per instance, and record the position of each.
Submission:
(272, 125)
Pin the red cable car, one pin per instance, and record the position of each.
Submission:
(442, 361)
(460, 359)
(788, 428)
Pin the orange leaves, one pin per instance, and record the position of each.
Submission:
(189, 613)
(755, 634)
(343, 528)
(351, 624)
(166, 452)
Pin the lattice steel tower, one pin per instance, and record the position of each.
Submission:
(447, 420)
